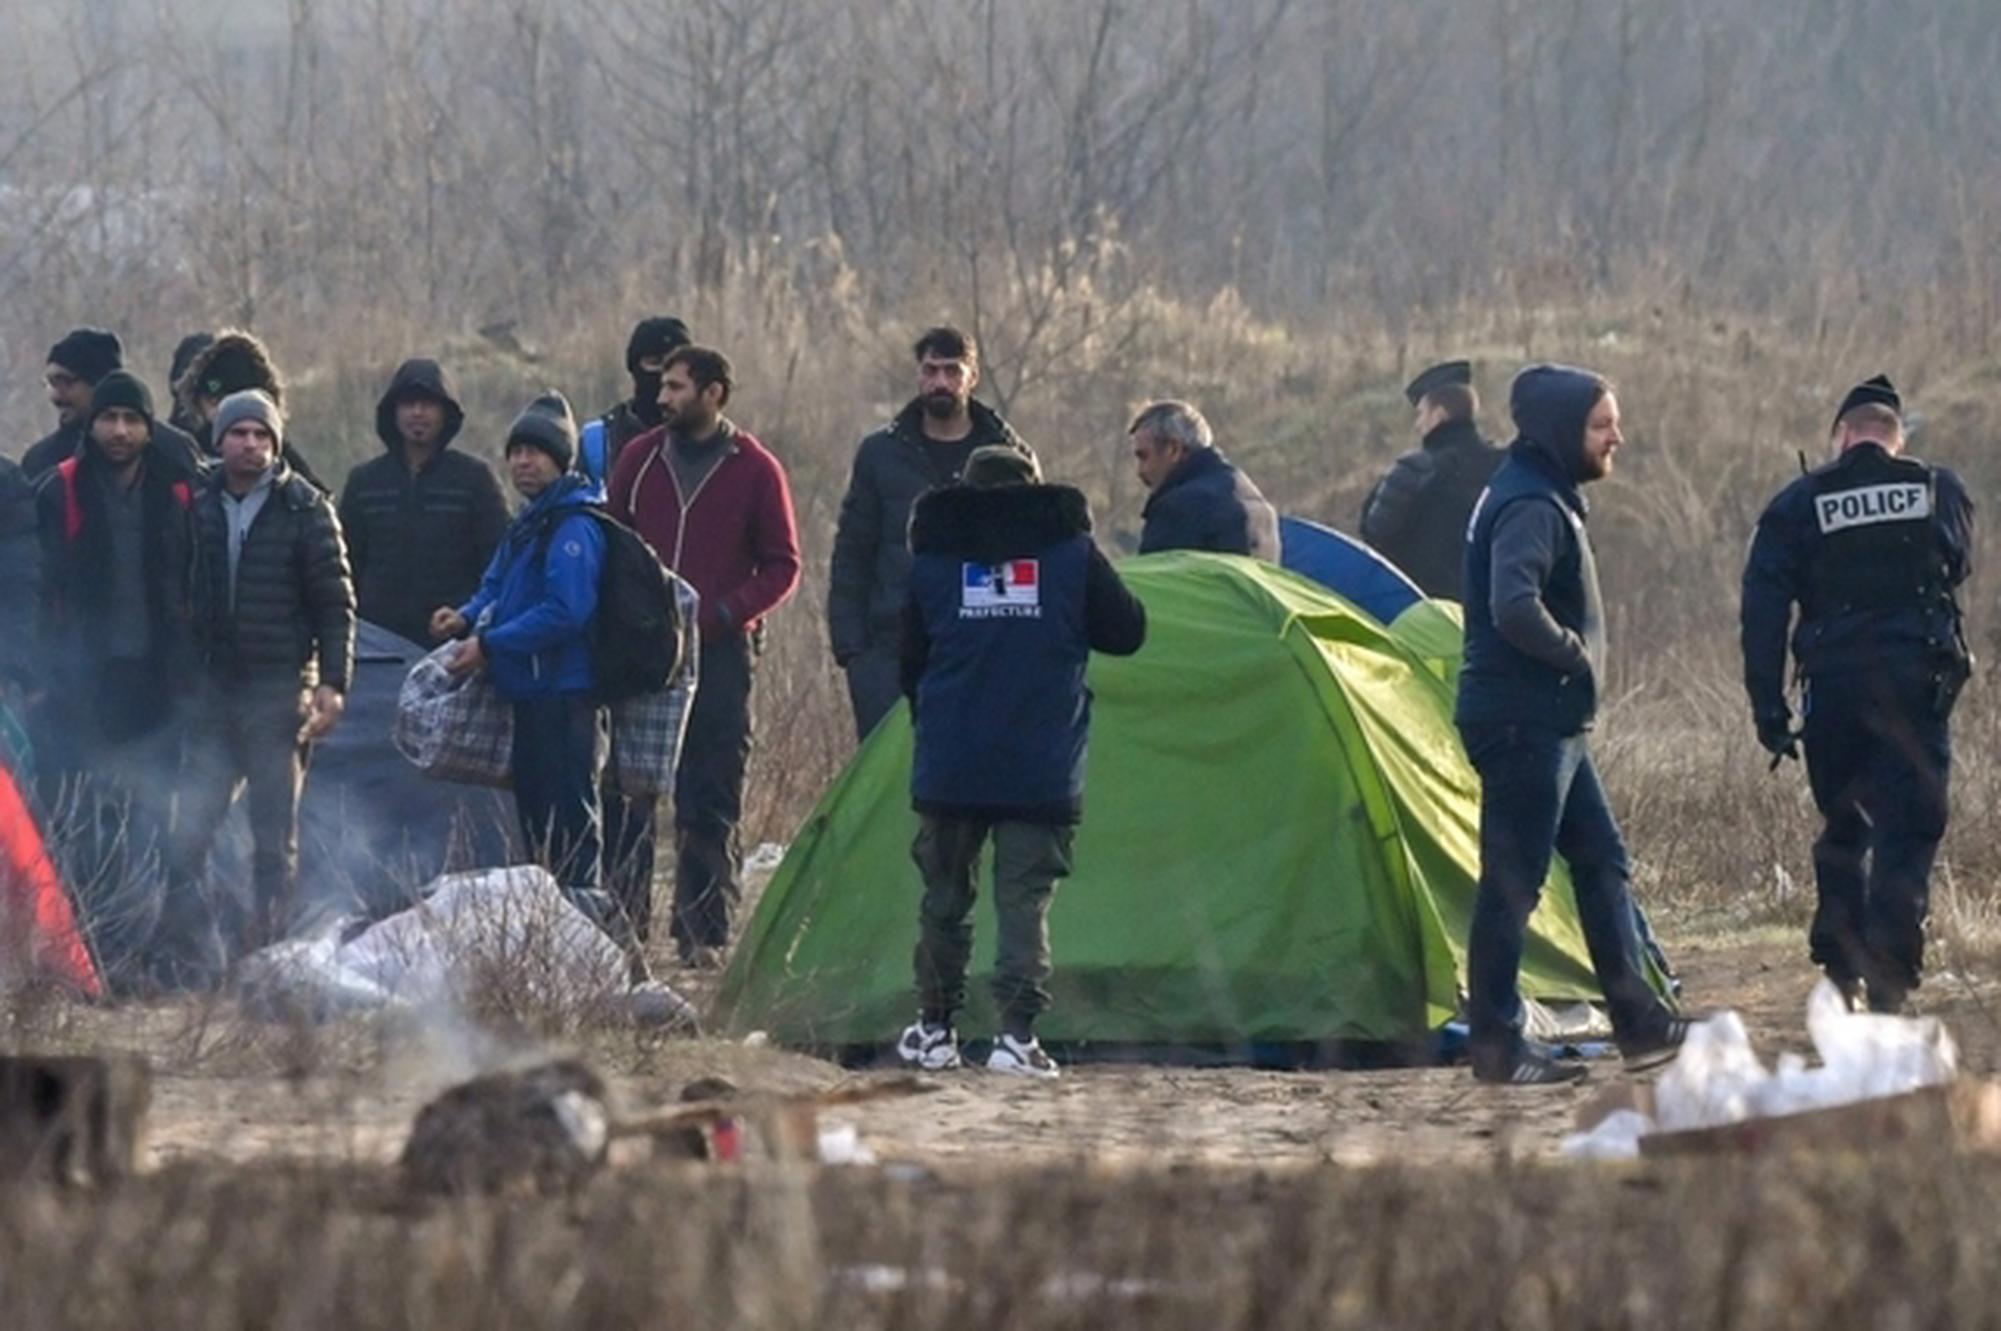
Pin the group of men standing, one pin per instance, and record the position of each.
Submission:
(178, 611)
(183, 627)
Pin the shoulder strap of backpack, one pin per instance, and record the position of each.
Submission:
(72, 505)
(592, 451)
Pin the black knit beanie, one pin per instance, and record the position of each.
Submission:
(88, 353)
(548, 424)
(122, 389)
(661, 335)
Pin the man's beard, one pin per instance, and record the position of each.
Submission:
(646, 397)
(941, 405)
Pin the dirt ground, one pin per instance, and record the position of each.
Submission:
(236, 1109)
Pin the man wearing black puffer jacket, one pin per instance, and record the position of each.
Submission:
(1528, 694)
(924, 447)
(1008, 598)
(274, 618)
(422, 520)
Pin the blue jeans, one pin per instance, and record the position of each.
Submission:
(1540, 795)
(1879, 757)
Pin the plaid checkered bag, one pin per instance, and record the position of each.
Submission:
(454, 729)
(646, 731)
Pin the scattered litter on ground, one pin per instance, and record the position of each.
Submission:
(1719, 1080)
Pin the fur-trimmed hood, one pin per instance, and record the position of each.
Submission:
(990, 524)
(235, 360)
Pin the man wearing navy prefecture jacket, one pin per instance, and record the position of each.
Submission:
(1008, 598)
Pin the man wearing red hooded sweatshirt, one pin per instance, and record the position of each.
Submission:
(714, 505)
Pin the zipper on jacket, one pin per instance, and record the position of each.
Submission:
(681, 526)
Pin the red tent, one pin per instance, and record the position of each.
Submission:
(35, 912)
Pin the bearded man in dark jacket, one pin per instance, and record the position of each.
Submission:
(1416, 515)
(274, 615)
(422, 520)
(926, 446)
(117, 528)
(1528, 694)
(1009, 596)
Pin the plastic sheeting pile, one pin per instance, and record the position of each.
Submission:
(1719, 1079)
(510, 925)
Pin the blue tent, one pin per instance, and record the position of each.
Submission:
(1347, 567)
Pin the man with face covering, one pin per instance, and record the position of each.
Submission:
(1535, 652)
(926, 446)
(600, 441)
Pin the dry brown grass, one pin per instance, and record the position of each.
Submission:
(1855, 1241)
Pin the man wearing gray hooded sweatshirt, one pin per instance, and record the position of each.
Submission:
(1528, 692)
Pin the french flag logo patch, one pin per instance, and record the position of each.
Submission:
(1006, 589)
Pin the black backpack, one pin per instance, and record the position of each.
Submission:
(637, 637)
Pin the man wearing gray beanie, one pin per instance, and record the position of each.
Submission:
(274, 619)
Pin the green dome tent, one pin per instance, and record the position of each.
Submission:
(1279, 846)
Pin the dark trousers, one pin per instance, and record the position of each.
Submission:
(116, 766)
(558, 747)
(630, 836)
(708, 794)
(1539, 794)
(1029, 860)
(240, 740)
(1879, 759)
(875, 685)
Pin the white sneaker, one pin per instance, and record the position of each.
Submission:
(932, 1048)
(1022, 1058)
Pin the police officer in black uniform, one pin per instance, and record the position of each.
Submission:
(1871, 547)
(1416, 516)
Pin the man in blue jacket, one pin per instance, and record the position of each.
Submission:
(1008, 598)
(1200, 501)
(1528, 692)
(529, 629)
(1871, 547)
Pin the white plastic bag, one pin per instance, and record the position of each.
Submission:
(1866, 1055)
(1716, 1079)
